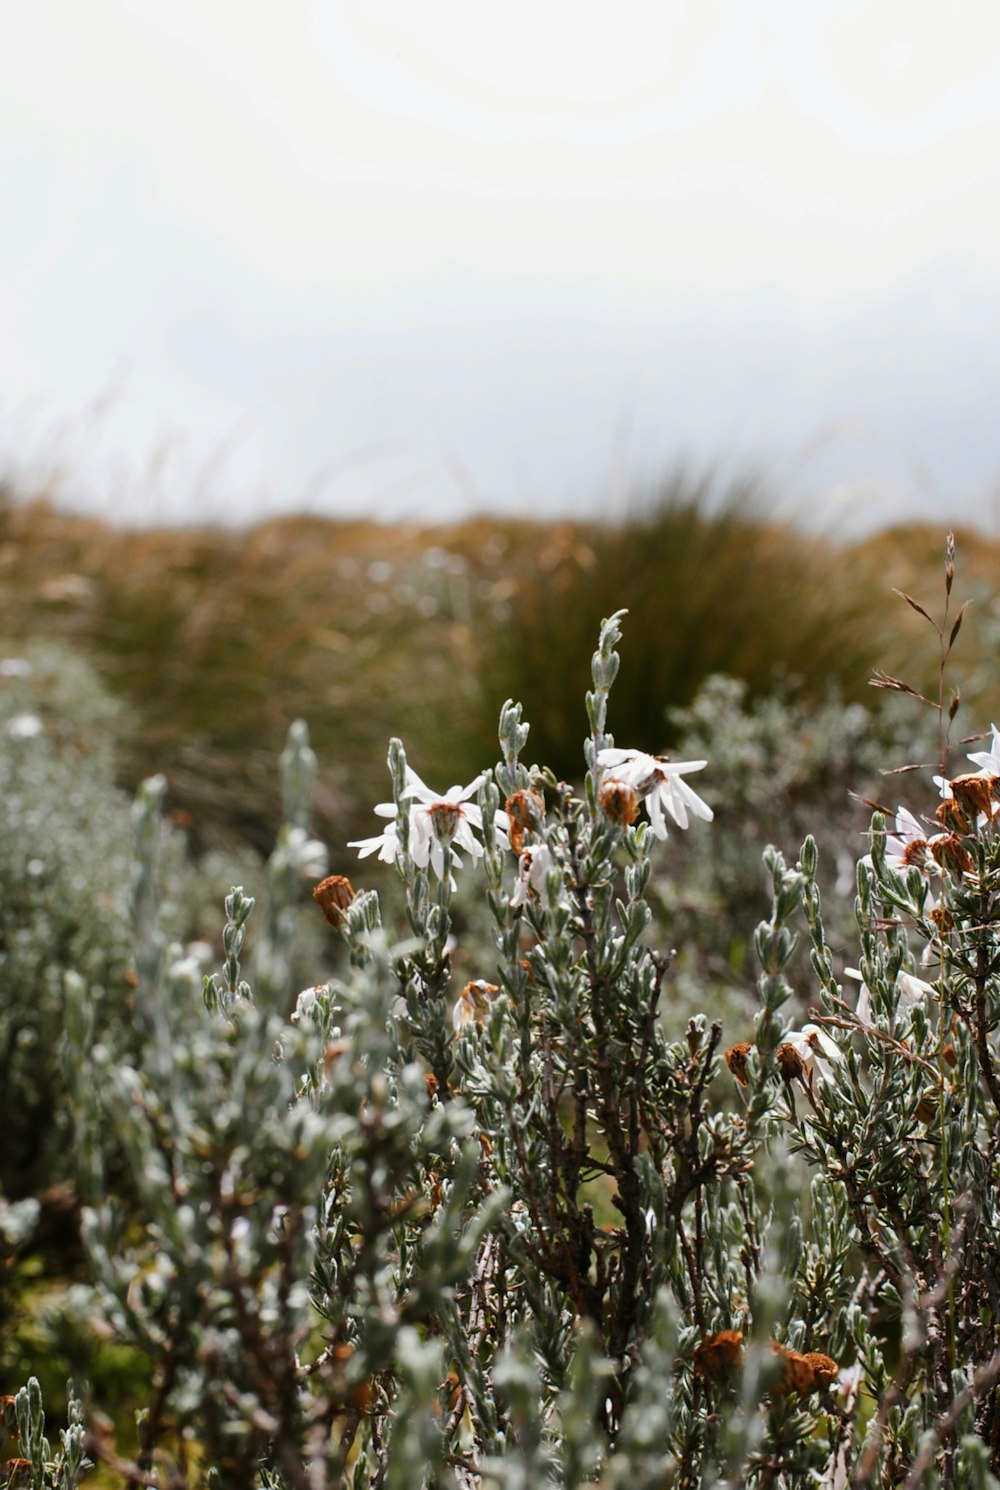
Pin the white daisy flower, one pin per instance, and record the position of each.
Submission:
(902, 846)
(434, 821)
(438, 820)
(386, 844)
(660, 783)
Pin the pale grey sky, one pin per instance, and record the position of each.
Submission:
(408, 257)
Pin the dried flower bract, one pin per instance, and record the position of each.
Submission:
(333, 895)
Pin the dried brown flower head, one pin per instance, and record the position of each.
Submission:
(333, 895)
(718, 1355)
(824, 1369)
(975, 794)
(452, 1388)
(942, 918)
(618, 802)
(803, 1374)
(789, 1062)
(951, 816)
(525, 811)
(950, 852)
(736, 1059)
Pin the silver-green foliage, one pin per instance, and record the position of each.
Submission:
(520, 1234)
(65, 899)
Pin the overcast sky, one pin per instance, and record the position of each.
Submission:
(413, 257)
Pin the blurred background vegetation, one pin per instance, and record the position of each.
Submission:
(214, 641)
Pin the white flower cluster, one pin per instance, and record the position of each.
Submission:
(454, 820)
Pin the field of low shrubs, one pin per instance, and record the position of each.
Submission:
(555, 1152)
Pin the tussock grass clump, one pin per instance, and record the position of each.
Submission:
(217, 640)
(712, 586)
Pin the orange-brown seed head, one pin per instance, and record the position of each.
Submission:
(824, 1369)
(803, 1374)
(796, 1373)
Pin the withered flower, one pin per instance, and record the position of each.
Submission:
(942, 918)
(915, 853)
(789, 1062)
(950, 815)
(950, 852)
(975, 794)
(333, 895)
(718, 1355)
(824, 1369)
(525, 812)
(803, 1374)
(452, 1389)
(473, 1003)
(618, 802)
(736, 1059)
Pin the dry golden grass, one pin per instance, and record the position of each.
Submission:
(218, 639)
